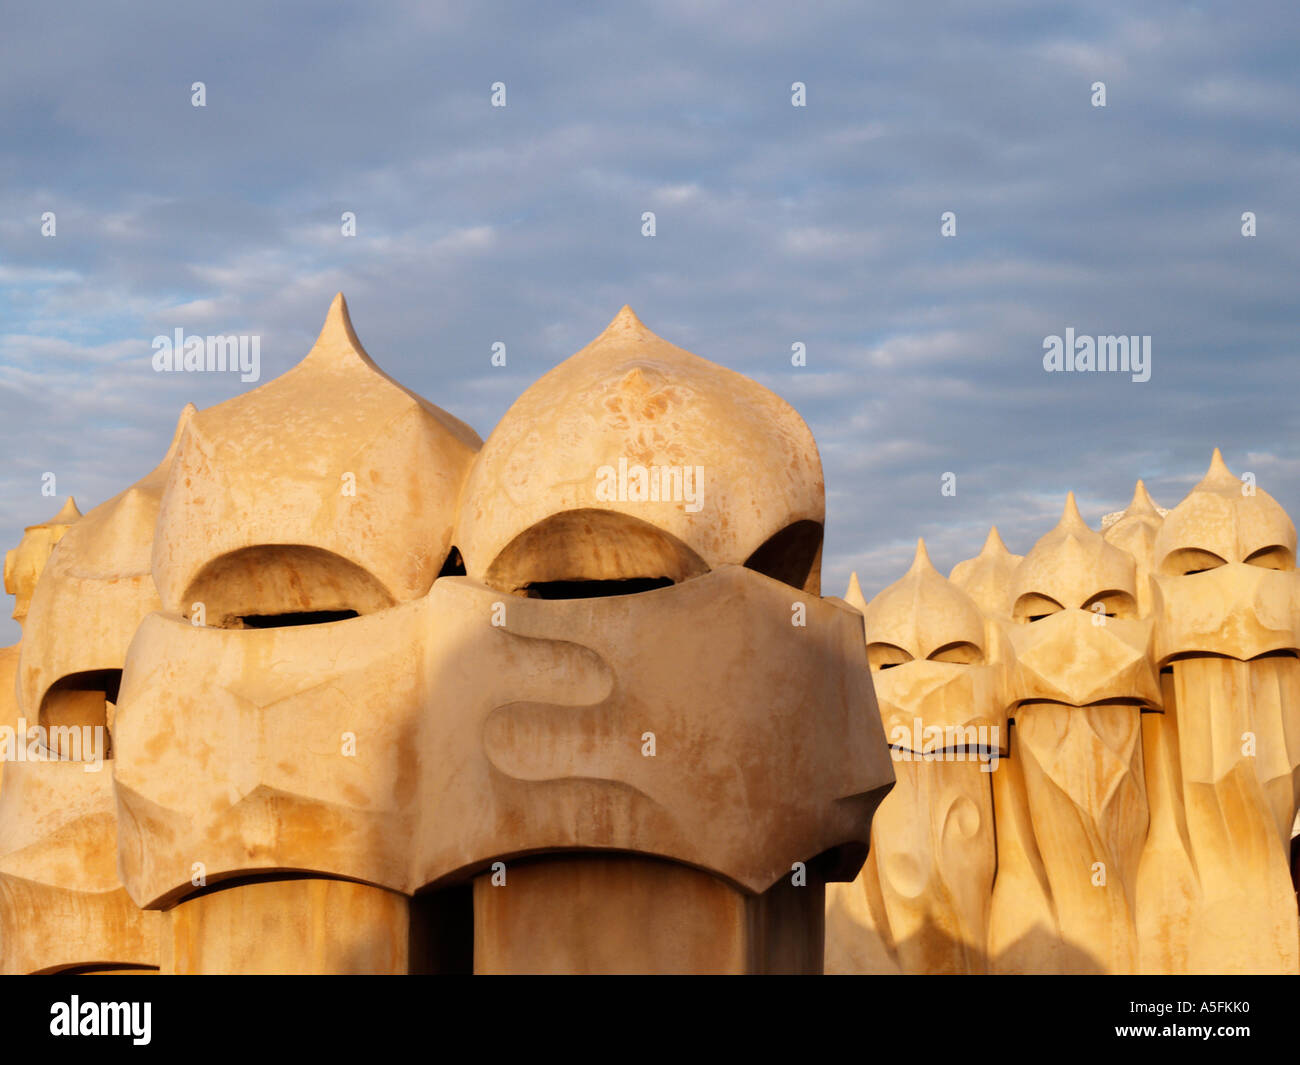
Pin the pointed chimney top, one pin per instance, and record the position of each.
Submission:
(921, 560)
(67, 514)
(854, 596)
(1218, 475)
(1142, 505)
(625, 322)
(1071, 519)
(338, 341)
(182, 422)
(993, 544)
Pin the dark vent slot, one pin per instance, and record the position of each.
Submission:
(594, 589)
(284, 621)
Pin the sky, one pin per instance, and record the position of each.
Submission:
(775, 225)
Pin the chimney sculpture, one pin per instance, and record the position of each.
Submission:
(637, 467)
(1083, 675)
(339, 688)
(395, 701)
(269, 758)
(940, 686)
(1145, 807)
(1229, 630)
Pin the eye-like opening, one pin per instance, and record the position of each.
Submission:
(589, 554)
(886, 656)
(792, 556)
(1112, 604)
(1275, 556)
(1032, 607)
(281, 585)
(959, 652)
(76, 715)
(1187, 561)
(294, 618)
(594, 589)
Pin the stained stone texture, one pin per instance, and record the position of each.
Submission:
(375, 697)
(535, 510)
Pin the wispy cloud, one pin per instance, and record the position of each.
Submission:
(775, 224)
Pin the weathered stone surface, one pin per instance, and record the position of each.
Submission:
(374, 700)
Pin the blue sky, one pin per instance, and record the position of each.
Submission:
(775, 224)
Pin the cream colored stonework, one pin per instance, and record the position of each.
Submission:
(340, 688)
(1144, 806)
(378, 697)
